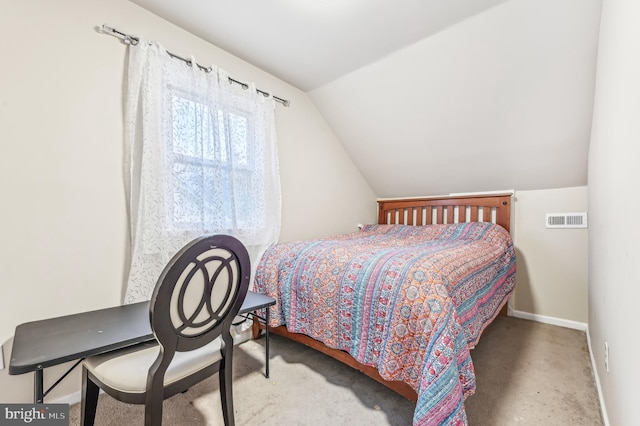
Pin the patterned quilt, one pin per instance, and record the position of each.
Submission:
(409, 300)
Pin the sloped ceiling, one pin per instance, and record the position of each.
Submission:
(309, 43)
(428, 96)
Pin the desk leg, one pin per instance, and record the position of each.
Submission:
(267, 342)
(38, 386)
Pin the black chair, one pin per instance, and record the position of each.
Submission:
(193, 305)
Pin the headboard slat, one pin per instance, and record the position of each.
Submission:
(411, 211)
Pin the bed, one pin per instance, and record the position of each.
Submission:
(404, 300)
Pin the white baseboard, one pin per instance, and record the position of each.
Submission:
(550, 320)
(603, 407)
(72, 398)
(576, 326)
(244, 335)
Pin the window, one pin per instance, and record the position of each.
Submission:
(213, 168)
(202, 159)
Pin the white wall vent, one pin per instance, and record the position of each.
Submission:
(566, 220)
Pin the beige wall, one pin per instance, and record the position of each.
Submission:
(552, 263)
(504, 96)
(64, 239)
(64, 243)
(614, 232)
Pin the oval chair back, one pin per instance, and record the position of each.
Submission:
(199, 293)
(197, 296)
(193, 305)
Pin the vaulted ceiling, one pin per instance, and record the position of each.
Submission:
(428, 96)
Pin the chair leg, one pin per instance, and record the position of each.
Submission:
(226, 390)
(89, 401)
(153, 413)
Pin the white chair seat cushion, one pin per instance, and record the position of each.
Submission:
(126, 369)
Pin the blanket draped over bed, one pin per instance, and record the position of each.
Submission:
(410, 301)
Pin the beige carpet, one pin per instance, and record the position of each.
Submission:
(527, 374)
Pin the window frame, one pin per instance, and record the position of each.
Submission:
(220, 118)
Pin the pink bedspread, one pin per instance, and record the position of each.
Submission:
(409, 300)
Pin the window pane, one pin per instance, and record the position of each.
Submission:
(217, 199)
(192, 126)
(222, 135)
(244, 200)
(238, 131)
(188, 201)
(213, 187)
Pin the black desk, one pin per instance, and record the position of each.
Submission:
(41, 344)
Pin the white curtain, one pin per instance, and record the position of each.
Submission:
(202, 160)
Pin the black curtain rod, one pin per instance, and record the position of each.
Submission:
(133, 40)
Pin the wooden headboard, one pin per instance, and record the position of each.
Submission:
(495, 208)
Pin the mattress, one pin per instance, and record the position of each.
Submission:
(410, 301)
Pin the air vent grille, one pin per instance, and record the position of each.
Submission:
(566, 220)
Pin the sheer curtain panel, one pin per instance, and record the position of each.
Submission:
(202, 159)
